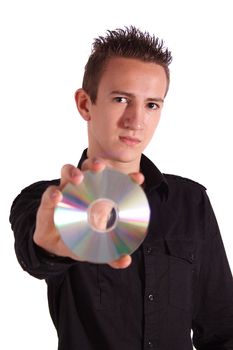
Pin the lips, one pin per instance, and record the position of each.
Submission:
(130, 141)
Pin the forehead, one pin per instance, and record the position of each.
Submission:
(133, 75)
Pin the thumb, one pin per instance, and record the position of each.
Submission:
(50, 198)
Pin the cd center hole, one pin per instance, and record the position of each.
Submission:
(102, 215)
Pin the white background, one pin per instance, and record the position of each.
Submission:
(44, 46)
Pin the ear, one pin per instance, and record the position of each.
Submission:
(83, 103)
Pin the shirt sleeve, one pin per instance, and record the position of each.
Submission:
(33, 259)
(213, 316)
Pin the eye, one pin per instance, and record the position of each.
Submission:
(153, 105)
(120, 99)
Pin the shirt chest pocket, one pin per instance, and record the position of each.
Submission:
(181, 260)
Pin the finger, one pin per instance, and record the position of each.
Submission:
(70, 173)
(137, 177)
(44, 217)
(96, 164)
(121, 263)
(50, 198)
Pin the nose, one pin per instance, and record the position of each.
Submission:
(134, 118)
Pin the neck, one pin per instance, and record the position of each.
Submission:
(122, 166)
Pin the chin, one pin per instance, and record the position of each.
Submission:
(121, 153)
(126, 157)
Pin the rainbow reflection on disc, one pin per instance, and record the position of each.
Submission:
(104, 217)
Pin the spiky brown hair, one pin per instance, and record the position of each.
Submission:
(129, 42)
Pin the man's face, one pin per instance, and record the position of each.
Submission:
(127, 109)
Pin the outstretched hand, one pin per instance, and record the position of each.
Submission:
(46, 235)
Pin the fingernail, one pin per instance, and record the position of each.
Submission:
(55, 194)
(74, 173)
(96, 161)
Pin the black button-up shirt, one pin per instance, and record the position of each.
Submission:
(179, 278)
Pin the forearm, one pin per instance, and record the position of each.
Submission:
(33, 259)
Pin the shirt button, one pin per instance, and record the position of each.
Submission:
(148, 250)
(151, 297)
(150, 344)
(192, 257)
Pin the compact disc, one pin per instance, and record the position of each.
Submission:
(104, 217)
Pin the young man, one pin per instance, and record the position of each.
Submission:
(179, 278)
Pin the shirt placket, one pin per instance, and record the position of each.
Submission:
(151, 303)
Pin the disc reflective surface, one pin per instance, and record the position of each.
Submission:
(104, 217)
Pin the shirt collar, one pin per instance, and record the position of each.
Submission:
(154, 179)
(83, 157)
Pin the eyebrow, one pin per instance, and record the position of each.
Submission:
(129, 94)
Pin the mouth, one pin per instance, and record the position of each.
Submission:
(130, 141)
